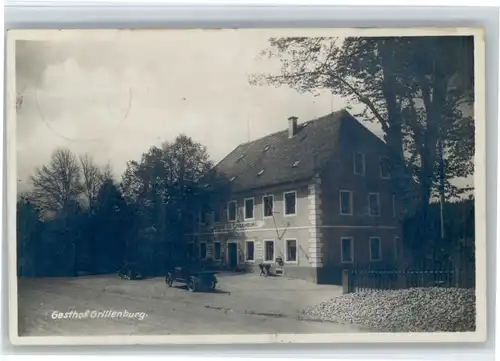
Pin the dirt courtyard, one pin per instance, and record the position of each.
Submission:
(242, 303)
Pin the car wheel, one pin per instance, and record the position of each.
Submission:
(169, 281)
(213, 285)
(191, 285)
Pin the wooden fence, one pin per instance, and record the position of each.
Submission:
(363, 280)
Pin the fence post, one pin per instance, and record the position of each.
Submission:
(345, 281)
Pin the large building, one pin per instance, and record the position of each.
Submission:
(317, 194)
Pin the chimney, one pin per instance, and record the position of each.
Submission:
(292, 126)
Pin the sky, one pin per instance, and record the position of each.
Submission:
(115, 98)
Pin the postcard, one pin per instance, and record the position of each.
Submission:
(246, 186)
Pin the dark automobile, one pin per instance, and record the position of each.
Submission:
(194, 280)
(130, 271)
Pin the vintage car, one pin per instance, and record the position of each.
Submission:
(194, 280)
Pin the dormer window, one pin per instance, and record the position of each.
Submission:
(232, 179)
(266, 148)
(296, 163)
(260, 172)
(241, 157)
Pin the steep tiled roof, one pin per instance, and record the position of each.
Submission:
(276, 158)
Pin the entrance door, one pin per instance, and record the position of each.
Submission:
(232, 254)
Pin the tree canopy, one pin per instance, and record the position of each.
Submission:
(78, 219)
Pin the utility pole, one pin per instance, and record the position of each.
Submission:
(441, 185)
(441, 169)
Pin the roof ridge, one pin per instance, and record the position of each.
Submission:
(343, 110)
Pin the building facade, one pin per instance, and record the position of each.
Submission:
(317, 195)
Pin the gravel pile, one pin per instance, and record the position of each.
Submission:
(409, 310)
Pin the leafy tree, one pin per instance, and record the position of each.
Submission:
(29, 227)
(113, 221)
(164, 187)
(74, 220)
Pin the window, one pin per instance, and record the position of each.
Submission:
(209, 219)
(345, 202)
(250, 251)
(291, 250)
(203, 250)
(397, 242)
(249, 208)
(269, 251)
(375, 249)
(204, 214)
(373, 204)
(231, 211)
(217, 213)
(359, 163)
(216, 251)
(346, 251)
(268, 204)
(385, 168)
(290, 203)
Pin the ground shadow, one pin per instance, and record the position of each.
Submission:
(230, 273)
(142, 278)
(201, 290)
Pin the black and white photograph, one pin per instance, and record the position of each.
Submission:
(246, 185)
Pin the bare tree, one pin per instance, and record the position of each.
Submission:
(57, 185)
(92, 180)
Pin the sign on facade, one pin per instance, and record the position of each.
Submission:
(239, 227)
